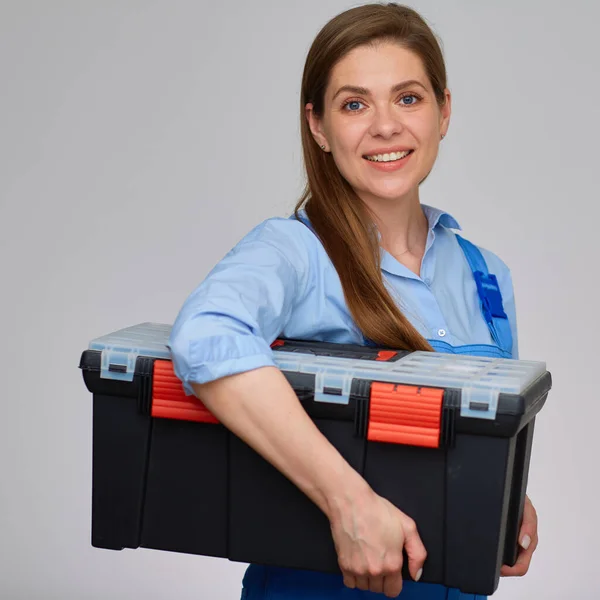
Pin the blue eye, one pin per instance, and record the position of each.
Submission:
(408, 96)
(357, 105)
(353, 105)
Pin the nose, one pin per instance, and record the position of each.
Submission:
(386, 122)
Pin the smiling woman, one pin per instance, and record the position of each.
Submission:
(415, 117)
(374, 85)
(360, 261)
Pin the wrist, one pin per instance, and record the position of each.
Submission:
(343, 494)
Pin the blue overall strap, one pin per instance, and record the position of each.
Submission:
(489, 295)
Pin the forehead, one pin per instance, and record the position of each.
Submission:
(377, 67)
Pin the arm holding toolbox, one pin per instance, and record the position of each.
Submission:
(221, 352)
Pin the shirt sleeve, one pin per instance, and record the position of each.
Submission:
(227, 324)
(505, 282)
(508, 298)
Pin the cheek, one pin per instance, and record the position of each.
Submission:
(429, 129)
(347, 141)
(345, 131)
(348, 138)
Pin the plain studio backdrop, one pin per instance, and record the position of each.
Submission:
(139, 141)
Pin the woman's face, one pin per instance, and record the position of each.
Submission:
(379, 101)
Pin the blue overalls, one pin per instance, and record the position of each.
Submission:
(274, 583)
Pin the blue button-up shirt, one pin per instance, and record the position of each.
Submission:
(279, 281)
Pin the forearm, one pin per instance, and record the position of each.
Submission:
(261, 408)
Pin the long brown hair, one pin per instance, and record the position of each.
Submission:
(337, 214)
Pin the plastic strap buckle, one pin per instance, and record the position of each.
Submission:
(491, 298)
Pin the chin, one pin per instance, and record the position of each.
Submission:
(392, 192)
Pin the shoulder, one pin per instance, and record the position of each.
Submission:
(502, 272)
(446, 224)
(284, 233)
(495, 265)
(280, 239)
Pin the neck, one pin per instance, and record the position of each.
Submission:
(402, 225)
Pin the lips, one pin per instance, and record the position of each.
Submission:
(388, 163)
(384, 157)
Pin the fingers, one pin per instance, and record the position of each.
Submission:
(521, 567)
(386, 579)
(415, 550)
(528, 539)
(392, 585)
(376, 584)
(529, 525)
(362, 582)
(370, 547)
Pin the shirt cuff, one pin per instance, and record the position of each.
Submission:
(215, 357)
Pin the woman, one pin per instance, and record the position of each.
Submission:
(363, 262)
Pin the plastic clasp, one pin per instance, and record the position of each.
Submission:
(491, 298)
(479, 403)
(119, 366)
(332, 384)
(333, 388)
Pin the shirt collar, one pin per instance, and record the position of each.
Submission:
(436, 216)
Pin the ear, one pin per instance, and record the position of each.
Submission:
(316, 126)
(445, 112)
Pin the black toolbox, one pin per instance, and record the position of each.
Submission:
(446, 438)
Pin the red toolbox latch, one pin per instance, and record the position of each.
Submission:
(405, 414)
(169, 400)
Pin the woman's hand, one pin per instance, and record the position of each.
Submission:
(528, 539)
(369, 537)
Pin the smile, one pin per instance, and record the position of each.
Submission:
(391, 157)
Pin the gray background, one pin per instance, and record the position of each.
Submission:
(140, 140)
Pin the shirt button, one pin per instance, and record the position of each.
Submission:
(441, 332)
(428, 281)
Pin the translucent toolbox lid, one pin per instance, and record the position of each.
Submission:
(480, 379)
(120, 349)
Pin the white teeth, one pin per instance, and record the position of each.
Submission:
(388, 157)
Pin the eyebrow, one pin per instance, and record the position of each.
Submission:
(365, 92)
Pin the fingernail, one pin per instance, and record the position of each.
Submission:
(419, 573)
(525, 542)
